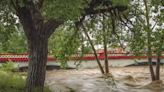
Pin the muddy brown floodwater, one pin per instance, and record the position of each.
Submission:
(125, 79)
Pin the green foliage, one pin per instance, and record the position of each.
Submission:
(64, 43)
(8, 24)
(9, 29)
(95, 27)
(63, 10)
(136, 62)
(46, 89)
(9, 66)
(10, 82)
(17, 43)
(147, 28)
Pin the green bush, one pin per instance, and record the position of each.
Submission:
(10, 82)
(9, 66)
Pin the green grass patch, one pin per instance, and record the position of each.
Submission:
(10, 82)
(13, 81)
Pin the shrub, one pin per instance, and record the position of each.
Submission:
(9, 66)
(11, 83)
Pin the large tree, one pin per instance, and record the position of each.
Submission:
(40, 18)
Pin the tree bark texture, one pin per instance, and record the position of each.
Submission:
(37, 63)
(37, 33)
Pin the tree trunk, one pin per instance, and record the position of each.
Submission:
(158, 68)
(148, 42)
(37, 63)
(32, 22)
(106, 59)
(159, 59)
(150, 59)
(97, 59)
(37, 32)
(151, 69)
(105, 47)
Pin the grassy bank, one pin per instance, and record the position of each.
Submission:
(13, 82)
(10, 82)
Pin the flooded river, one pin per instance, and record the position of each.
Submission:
(120, 79)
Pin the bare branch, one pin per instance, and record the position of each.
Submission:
(154, 25)
(127, 20)
(126, 23)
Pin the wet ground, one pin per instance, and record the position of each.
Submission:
(120, 79)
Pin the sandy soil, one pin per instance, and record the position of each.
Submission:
(120, 79)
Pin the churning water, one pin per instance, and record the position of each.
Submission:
(120, 79)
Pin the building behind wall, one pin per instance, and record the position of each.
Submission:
(118, 49)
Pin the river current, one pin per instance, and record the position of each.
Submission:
(120, 79)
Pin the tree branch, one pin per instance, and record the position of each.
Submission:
(95, 3)
(126, 23)
(79, 23)
(92, 11)
(154, 25)
(113, 21)
(50, 26)
(121, 45)
(127, 20)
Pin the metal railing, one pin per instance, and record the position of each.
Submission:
(77, 56)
